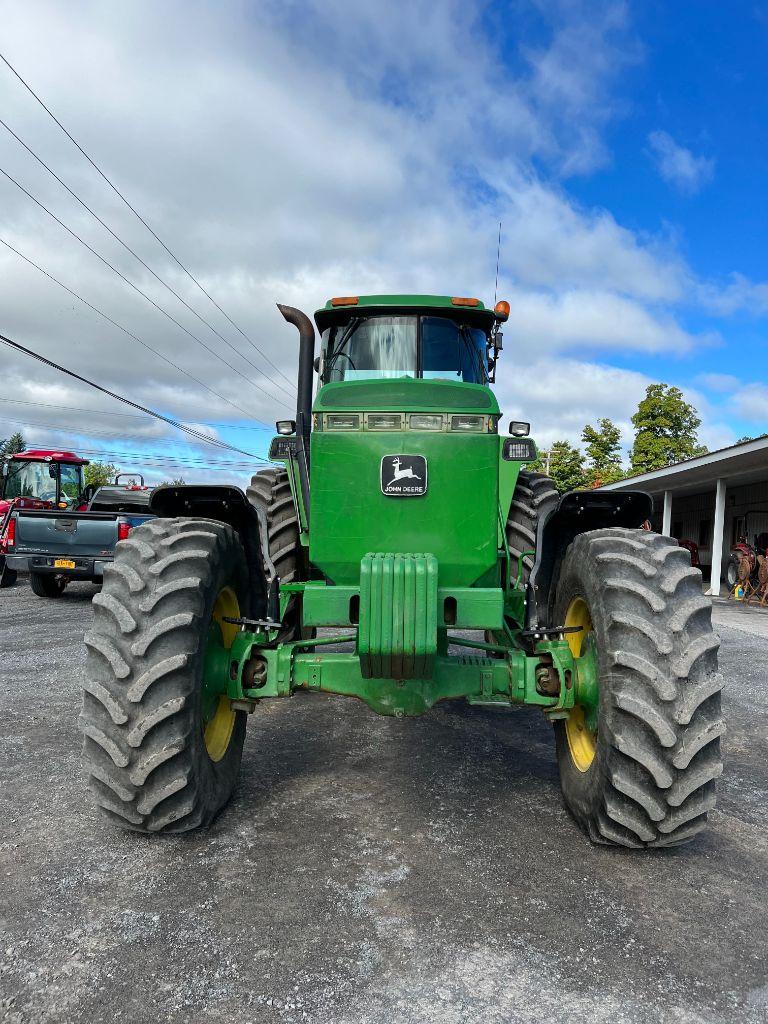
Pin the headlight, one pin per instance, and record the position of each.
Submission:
(384, 421)
(422, 421)
(522, 450)
(467, 423)
(340, 421)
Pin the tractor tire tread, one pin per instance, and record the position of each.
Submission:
(661, 722)
(143, 747)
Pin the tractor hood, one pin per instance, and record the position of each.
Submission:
(407, 489)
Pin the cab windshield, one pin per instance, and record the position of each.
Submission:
(433, 347)
(57, 483)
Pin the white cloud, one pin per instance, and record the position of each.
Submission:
(679, 166)
(290, 152)
(720, 382)
(751, 403)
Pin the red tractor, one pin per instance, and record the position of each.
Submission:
(37, 479)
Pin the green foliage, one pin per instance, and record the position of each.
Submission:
(13, 445)
(603, 446)
(178, 481)
(566, 466)
(100, 474)
(665, 429)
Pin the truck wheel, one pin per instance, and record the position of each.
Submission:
(7, 576)
(640, 752)
(45, 585)
(270, 490)
(531, 491)
(162, 747)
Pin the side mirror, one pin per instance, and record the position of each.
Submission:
(319, 364)
(52, 472)
(6, 468)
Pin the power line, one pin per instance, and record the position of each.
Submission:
(136, 288)
(86, 432)
(125, 330)
(136, 256)
(136, 214)
(120, 398)
(126, 415)
(127, 458)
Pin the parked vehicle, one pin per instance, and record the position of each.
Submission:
(37, 479)
(56, 546)
(399, 515)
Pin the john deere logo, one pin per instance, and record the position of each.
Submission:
(403, 476)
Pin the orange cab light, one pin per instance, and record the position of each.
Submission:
(465, 302)
(344, 300)
(501, 309)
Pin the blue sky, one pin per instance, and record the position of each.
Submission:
(288, 151)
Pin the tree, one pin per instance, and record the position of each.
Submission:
(100, 474)
(665, 429)
(566, 466)
(603, 452)
(178, 481)
(13, 445)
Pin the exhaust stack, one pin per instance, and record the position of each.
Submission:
(304, 388)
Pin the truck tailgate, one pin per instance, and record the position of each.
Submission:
(74, 534)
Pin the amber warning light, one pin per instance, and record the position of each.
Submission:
(344, 300)
(501, 309)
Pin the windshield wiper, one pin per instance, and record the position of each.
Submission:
(351, 327)
(472, 353)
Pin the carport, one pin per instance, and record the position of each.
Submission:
(712, 500)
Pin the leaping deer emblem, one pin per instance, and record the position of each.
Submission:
(402, 474)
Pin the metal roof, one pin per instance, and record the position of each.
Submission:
(743, 463)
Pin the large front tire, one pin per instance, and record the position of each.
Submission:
(646, 776)
(160, 755)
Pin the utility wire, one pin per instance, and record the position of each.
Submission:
(130, 334)
(120, 398)
(86, 432)
(136, 214)
(136, 288)
(125, 415)
(136, 256)
(128, 458)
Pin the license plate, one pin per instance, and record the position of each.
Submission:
(63, 563)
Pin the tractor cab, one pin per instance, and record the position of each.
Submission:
(418, 336)
(39, 479)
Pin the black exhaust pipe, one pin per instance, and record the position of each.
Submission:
(304, 387)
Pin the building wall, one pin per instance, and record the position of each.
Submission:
(693, 515)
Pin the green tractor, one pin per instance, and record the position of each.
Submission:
(404, 552)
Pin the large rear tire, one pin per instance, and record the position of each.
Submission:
(161, 757)
(46, 585)
(645, 775)
(271, 490)
(532, 491)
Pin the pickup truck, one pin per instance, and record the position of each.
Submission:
(56, 547)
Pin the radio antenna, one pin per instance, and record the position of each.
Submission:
(498, 251)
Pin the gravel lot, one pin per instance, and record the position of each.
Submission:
(369, 869)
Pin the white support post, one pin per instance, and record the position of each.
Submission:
(666, 522)
(717, 540)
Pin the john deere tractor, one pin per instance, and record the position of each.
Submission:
(404, 552)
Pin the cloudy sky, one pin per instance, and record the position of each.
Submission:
(289, 151)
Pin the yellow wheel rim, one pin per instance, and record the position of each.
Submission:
(582, 742)
(218, 730)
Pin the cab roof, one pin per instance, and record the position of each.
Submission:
(47, 455)
(339, 309)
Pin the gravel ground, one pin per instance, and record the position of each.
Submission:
(369, 870)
